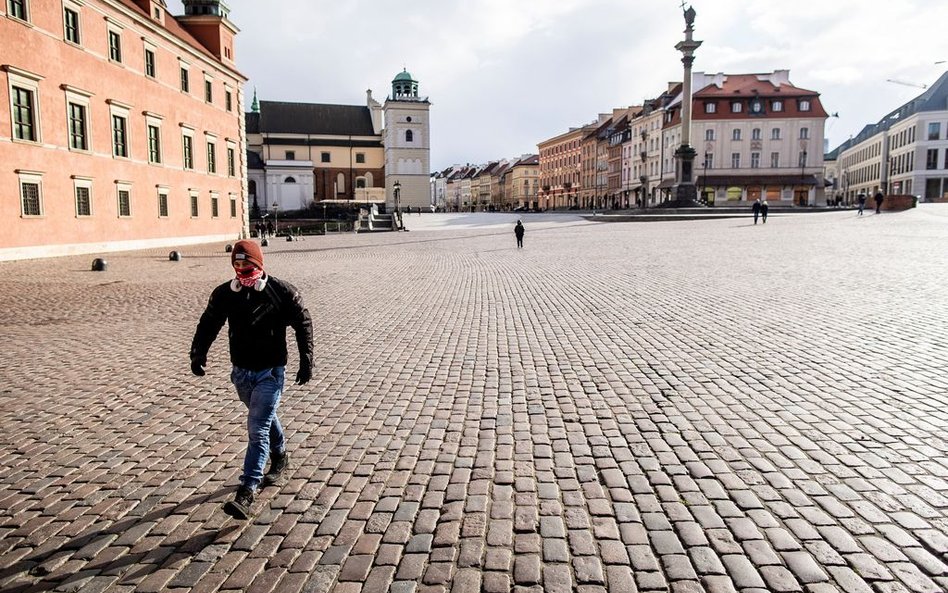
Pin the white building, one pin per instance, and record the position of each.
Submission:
(407, 144)
(906, 152)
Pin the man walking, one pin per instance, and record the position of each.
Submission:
(861, 200)
(756, 209)
(518, 231)
(763, 211)
(879, 198)
(257, 308)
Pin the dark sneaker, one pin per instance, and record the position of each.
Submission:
(278, 465)
(239, 508)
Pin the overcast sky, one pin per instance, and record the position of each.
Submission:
(503, 75)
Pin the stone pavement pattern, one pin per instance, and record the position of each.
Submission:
(687, 406)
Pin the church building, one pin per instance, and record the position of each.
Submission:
(300, 154)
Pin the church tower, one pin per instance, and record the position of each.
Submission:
(407, 144)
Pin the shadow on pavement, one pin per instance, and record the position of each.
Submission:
(42, 568)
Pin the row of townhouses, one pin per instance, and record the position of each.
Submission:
(756, 135)
(506, 184)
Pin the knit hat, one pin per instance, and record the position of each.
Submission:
(248, 251)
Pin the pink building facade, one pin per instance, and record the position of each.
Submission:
(121, 127)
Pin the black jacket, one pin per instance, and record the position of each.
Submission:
(256, 325)
(518, 230)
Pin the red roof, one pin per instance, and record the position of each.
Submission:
(748, 85)
(173, 27)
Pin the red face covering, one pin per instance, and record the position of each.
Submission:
(249, 276)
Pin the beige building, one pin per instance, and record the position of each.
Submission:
(523, 183)
(560, 168)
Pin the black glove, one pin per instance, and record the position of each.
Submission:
(197, 365)
(304, 375)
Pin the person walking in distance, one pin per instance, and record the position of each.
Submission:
(879, 197)
(763, 211)
(518, 231)
(756, 209)
(257, 308)
(861, 200)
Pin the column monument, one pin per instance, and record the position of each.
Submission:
(684, 192)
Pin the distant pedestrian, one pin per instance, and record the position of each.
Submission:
(756, 209)
(763, 211)
(269, 228)
(879, 198)
(257, 309)
(518, 231)
(861, 201)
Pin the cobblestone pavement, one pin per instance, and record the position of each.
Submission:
(685, 406)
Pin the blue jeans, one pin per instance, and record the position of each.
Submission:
(260, 391)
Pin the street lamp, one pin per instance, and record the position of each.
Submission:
(803, 197)
(276, 219)
(397, 192)
(704, 178)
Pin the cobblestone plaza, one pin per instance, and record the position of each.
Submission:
(675, 406)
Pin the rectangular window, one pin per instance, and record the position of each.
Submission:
(736, 134)
(185, 84)
(931, 160)
(709, 160)
(709, 135)
(804, 133)
(233, 207)
(934, 130)
(228, 101)
(150, 63)
(208, 91)
(776, 106)
(360, 157)
(115, 46)
(30, 198)
(231, 162)
(802, 159)
(214, 207)
(194, 206)
(188, 151)
(71, 22)
(775, 160)
(78, 137)
(154, 144)
(211, 158)
(946, 159)
(119, 136)
(736, 107)
(324, 157)
(83, 201)
(290, 155)
(710, 107)
(755, 160)
(162, 205)
(24, 114)
(17, 8)
(735, 160)
(124, 203)
(804, 105)
(775, 134)
(755, 134)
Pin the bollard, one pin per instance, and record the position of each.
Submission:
(174, 256)
(228, 248)
(99, 265)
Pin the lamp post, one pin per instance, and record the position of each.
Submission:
(804, 197)
(276, 219)
(704, 177)
(397, 191)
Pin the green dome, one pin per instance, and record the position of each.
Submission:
(403, 75)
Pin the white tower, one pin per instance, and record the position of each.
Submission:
(407, 145)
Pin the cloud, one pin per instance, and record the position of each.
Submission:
(503, 75)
